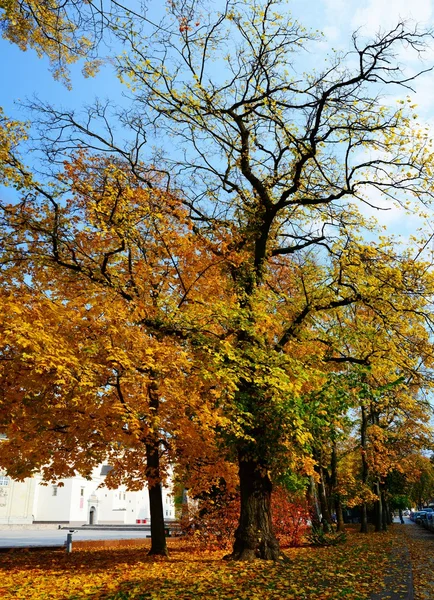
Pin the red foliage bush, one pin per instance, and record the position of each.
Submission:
(290, 517)
(212, 524)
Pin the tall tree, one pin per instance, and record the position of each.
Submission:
(268, 170)
(116, 391)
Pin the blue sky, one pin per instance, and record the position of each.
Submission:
(24, 75)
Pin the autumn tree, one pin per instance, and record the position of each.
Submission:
(65, 32)
(269, 169)
(117, 391)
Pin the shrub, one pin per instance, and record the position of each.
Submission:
(290, 517)
(318, 537)
(213, 522)
(212, 525)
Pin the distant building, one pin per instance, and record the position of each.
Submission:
(77, 502)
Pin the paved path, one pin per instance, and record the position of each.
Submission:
(55, 537)
(411, 574)
(421, 547)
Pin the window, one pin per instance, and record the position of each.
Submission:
(54, 490)
(4, 480)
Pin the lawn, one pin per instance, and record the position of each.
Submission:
(351, 571)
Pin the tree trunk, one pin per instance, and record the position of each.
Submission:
(363, 433)
(312, 499)
(385, 511)
(378, 509)
(254, 537)
(158, 534)
(339, 513)
(326, 517)
(337, 504)
(364, 519)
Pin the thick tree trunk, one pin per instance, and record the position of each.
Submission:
(254, 537)
(158, 534)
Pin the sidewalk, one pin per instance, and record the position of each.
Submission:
(399, 581)
(420, 544)
(412, 569)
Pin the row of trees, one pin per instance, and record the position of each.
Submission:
(214, 301)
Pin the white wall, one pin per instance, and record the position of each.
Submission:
(16, 501)
(71, 503)
(53, 502)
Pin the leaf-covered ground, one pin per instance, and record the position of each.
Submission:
(350, 571)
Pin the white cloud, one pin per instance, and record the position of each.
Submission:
(384, 15)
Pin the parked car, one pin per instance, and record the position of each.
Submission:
(414, 514)
(426, 519)
(419, 516)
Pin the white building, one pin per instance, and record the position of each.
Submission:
(76, 502)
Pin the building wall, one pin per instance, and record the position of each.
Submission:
(16, 501)
(72, 502)
(53, 502)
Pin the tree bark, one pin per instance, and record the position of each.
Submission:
(312, 497)
(385, 510)
(337, 504)
(254, 537)
(364, 519)
(158, 534)
(378, 509)
(339, 514)
(326, 517)
(363, 433)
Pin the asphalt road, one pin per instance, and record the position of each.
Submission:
(55, 537)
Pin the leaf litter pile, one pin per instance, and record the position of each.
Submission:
(352, 571)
